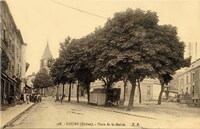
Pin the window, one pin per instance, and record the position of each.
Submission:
(148, 90)
(193, 89)
(18, 70)
(49, 63)
(186, 79)
(13, 69)
(186, 90)
(193, 77)
(182, 81)
(196, 74)
(3, 33)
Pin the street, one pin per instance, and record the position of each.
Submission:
(51, 114)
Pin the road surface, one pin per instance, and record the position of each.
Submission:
(51, 114)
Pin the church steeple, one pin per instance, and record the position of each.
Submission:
(46, 59)
(47, 53)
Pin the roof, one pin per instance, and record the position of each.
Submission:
(47, 53)
(193, 66)
(99, 90)
(102, 90)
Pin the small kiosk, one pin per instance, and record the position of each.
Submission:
(98, 96)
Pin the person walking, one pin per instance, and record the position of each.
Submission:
(39, 98)
(27, 98)
(22, 98)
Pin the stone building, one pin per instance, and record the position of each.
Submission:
(150, 89)
(13, 63)
(189, 84)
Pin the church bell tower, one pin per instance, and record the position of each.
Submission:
(47, 59)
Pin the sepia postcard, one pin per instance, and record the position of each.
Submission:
(100, 64)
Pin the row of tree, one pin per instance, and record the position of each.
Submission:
(129, 47)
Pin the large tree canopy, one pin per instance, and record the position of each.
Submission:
(134, 45)
(131, 45)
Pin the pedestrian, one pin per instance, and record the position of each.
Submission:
(60, 96)
(31, 97)
(35, 98)
(27, 98)
(22, 98)
(39, 98)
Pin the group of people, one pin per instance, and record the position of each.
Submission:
(26, 98)
(60, 97)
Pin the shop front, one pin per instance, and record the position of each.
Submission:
(10, 90)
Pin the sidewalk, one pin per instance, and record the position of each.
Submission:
(150, 110)
(11, 113)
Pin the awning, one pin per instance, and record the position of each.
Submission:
(172, 91)
(10, 79)
(28, 87)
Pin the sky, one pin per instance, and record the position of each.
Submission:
(42, 21)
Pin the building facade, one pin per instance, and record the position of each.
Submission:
(189, 83)
(13, 61)
(150, 89)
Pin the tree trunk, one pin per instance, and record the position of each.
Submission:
(77, 93)
(140, 96)
(131, 99)
(57, 96)
(167, 95)
(125, 85)
(69, 97)
(63, 93)
(88, 93)
(107, 94)
(47, 91)
(160, 95)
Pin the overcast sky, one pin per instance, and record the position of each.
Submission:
(43, 20)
